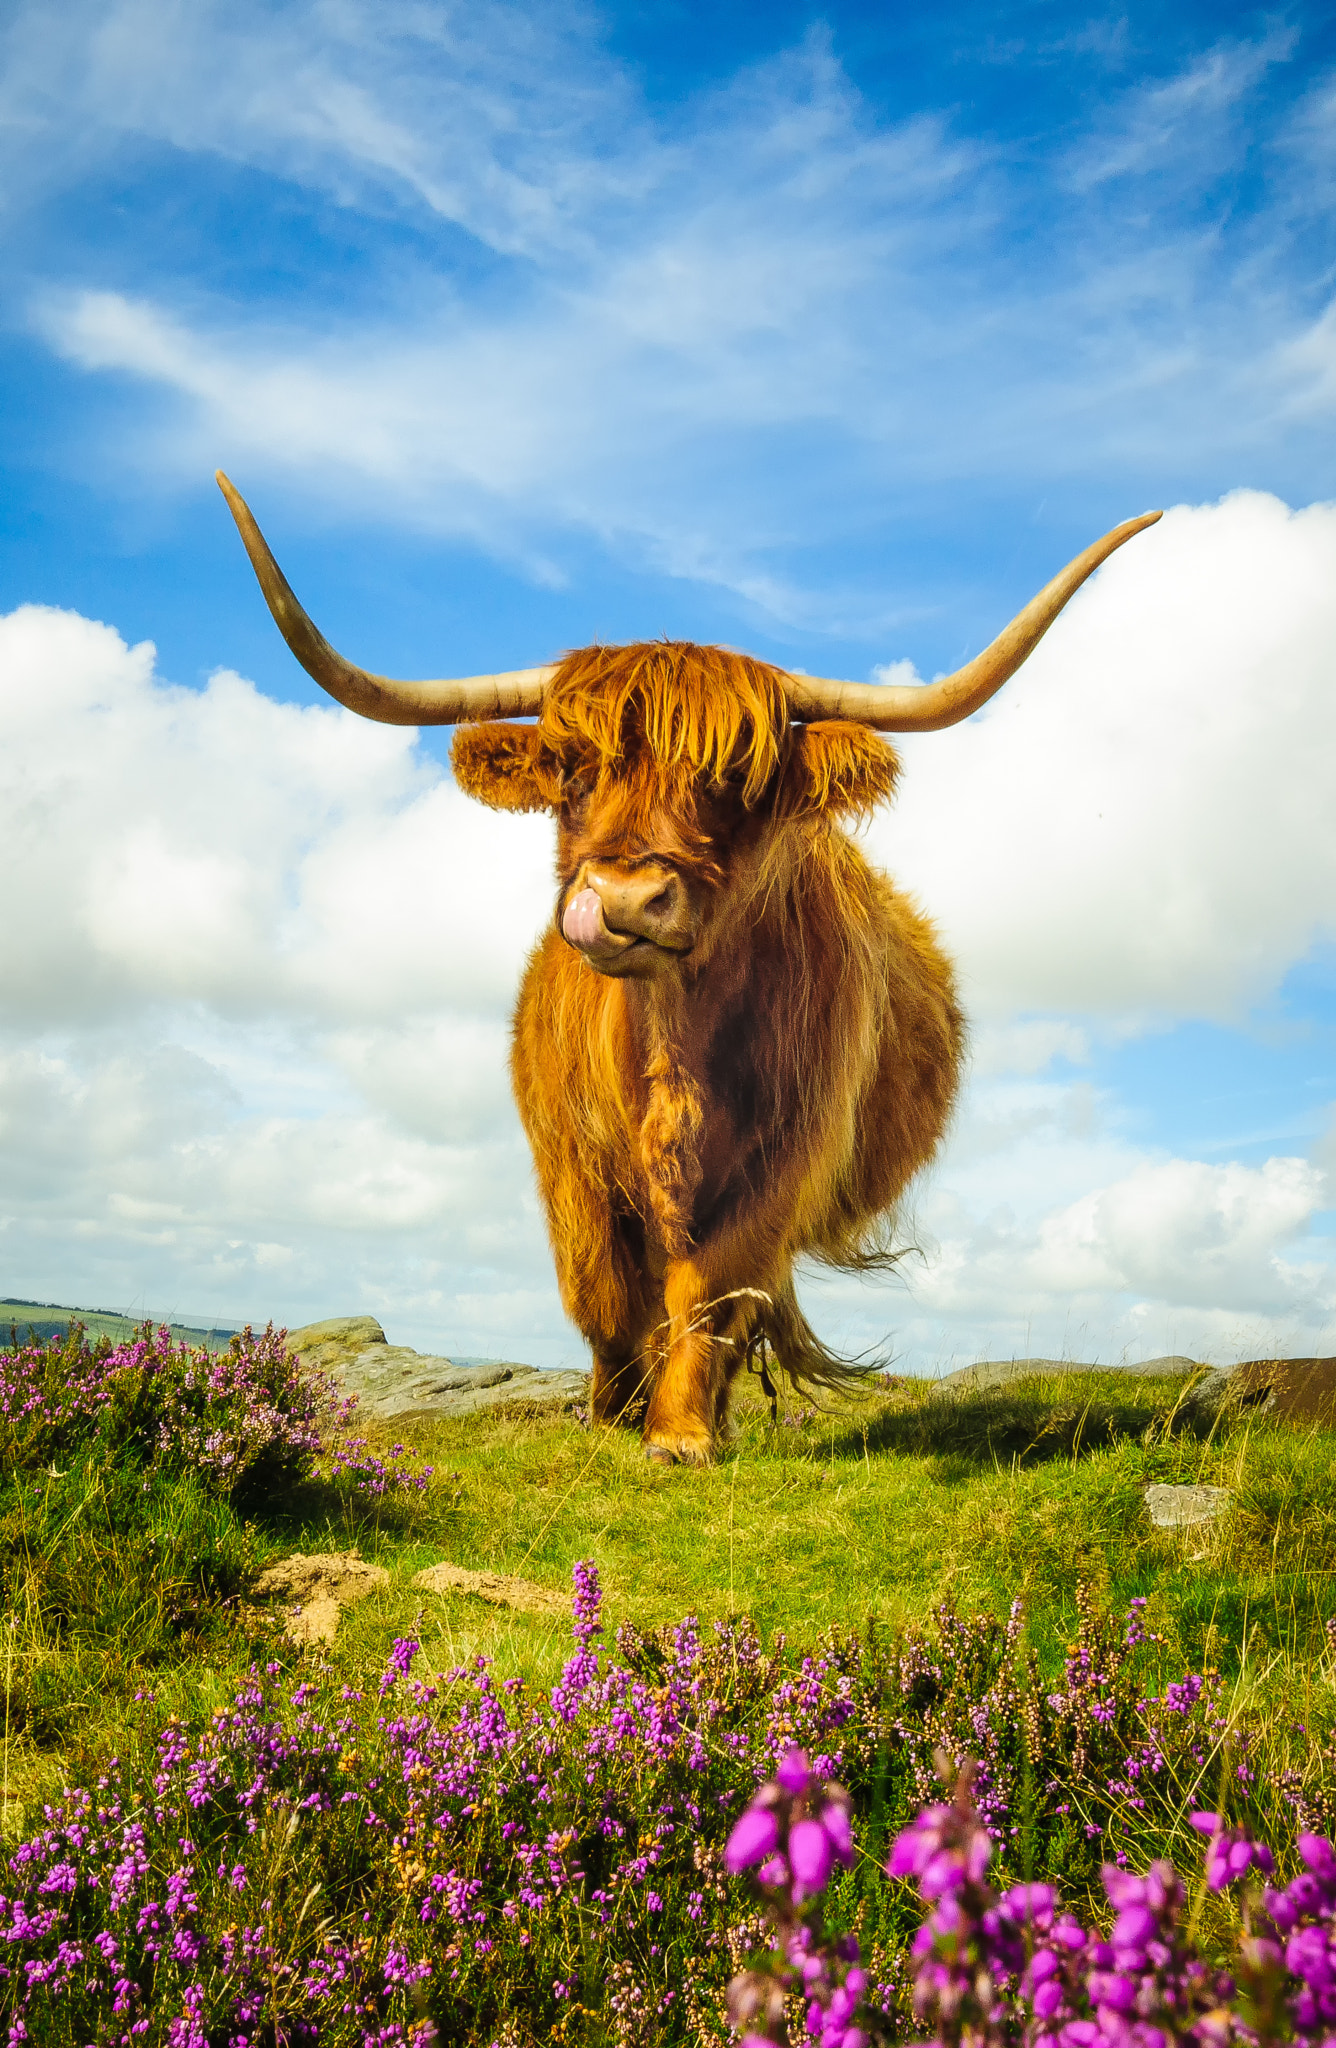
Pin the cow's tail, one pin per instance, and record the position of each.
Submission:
(783, 1345)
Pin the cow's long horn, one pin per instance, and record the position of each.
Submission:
(927, 707)
(448, 701)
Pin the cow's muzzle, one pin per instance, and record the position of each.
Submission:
(629, 922)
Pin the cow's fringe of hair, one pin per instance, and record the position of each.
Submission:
(703, 710)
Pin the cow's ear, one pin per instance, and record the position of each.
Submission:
(506, 766)
(838, 768)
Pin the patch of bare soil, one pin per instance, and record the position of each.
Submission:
(496, 1587)
(317, 1589)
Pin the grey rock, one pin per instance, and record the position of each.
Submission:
(330, 1345)
(1001, 1372)
(1186, 1507)
(393, 1383)
(1295, 1390)
(1211, 1393)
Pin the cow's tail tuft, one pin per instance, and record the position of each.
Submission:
(784, 1345)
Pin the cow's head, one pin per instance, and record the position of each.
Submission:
(668, 767)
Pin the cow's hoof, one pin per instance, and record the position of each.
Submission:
(681, 1451)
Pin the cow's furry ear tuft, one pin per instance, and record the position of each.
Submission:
(506, 766)
(838, 768)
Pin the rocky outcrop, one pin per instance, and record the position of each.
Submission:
(1298, 1390)
(394, 1384)
(1001, 1372)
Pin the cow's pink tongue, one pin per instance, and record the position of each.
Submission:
(582, 920)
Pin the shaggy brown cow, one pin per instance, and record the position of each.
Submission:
(737, 1043)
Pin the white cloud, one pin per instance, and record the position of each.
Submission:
(1027, 1046)
(1046, 1233)
(1192, 1235)
(216, 847)
(1139, 827)
(252, 1020)
(252, 1039)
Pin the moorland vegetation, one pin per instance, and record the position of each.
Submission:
(478, 1825)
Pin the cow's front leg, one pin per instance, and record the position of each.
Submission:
(690, 1390)
(621, 1382)
(608, 1294)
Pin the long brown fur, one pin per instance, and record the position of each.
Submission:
(768, 1096)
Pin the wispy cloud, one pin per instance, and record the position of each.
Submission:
(1187, 122)
(490, 117)
(710, 341)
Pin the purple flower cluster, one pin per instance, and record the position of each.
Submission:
(330, 1865)
(244, 1414)
(796, 1830)
(969, 1950)
(1015, 1968)
(374, 1476)
(1290, 1949)
(1011, 1969)
(1093, 1757)
(313, 1865)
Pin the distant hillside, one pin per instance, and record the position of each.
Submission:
(45, 1319)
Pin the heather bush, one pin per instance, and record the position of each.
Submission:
(336, 1864)
(127, 1473)
(1014, 1969)
(246, 1418)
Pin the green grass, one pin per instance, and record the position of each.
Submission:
(891, 1510)
(882, 1510)
(122, 1580)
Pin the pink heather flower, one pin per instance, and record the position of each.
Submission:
(810, 1854)
(1320, 1856)
(835, 1821)
(755, 1837)
(794, 1774)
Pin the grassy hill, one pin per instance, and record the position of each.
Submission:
(880, 1511)
(961, 1567)
(47, 1319)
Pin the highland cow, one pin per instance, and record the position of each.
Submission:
(737, 1043)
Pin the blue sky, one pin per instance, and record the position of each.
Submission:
(830, 335)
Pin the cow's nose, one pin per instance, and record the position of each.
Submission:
(643, 904)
